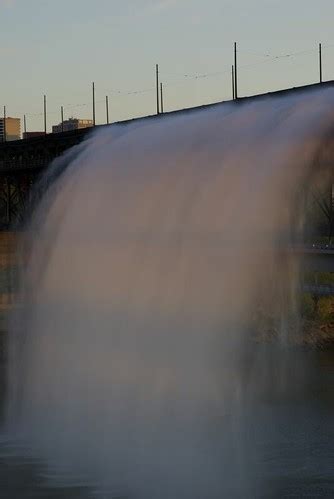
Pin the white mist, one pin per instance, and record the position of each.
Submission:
(150, 255)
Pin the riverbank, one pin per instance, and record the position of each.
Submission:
(317, 316)
(318, 335)
(314, 328)
(314, 333)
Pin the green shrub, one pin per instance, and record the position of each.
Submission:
(325, 307)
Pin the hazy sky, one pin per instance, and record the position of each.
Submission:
(59, 47)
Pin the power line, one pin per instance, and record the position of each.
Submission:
(184, 78)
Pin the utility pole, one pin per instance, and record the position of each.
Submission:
(161, 98)
(320, 62)
(235, 72)
(45, 114)
(107, 109)
(62, 118)
(9, 202)
(93, 89)
(233, 89)
(4, 125)
(25, 124)
(157, 86)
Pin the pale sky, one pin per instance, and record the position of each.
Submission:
(58, 47)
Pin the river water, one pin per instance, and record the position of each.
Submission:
(293, 428)
(297, 447)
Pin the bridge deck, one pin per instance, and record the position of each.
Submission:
(38, 152)
(22, 161)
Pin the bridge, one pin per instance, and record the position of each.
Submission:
(23, 161)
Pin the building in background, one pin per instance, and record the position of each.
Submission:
(29, 135)
(11, 127)
(72, 124)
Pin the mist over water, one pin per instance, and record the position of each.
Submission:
(132, 362)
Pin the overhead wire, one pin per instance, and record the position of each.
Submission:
(183, 78)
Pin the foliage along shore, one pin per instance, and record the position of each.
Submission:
(312, 326)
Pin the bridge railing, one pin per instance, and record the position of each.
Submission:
(24, 163)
